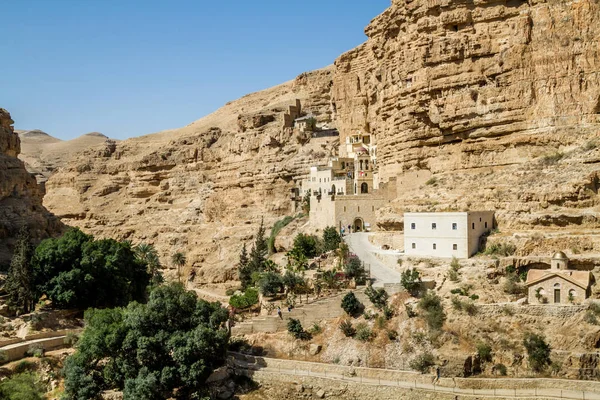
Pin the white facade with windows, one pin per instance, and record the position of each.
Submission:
(445, 234)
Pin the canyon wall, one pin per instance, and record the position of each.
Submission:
(20, 196)
(499, 99)
(202, 189)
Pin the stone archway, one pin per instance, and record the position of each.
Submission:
(358, 225)
(364, 188)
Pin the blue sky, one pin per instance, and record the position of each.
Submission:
(131, 67)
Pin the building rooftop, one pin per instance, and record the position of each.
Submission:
(579, 278)
(560, 256)
(309, 116)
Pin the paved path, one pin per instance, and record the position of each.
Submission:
(316, 370)
(359, 244)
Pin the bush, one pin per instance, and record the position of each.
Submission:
(25, 386)
(363, 332)
(422, 363)
(552, 158)
(538, 351)
(307, 245)
(331, 239)
(378, 297)
(484, 351)
(351, 305)
(347, 328)
(392, 335)
(35, 350)
(277, 227)
(411, 281)
(388, 312)
(513, 285)
(25, 366)
(500, 249)
(433, 310)
(315, 329)
(355, 270)
(246, 300)
(296, 330)
(500, 368)
(270, 283)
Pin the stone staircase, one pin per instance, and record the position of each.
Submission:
(307, 314)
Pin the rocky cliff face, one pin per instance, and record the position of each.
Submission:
(202, 189)
(499, 99)
(20, 198)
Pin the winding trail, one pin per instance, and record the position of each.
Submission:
(359, 244)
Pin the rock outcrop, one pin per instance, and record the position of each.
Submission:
(499, 99)
(20, 197)
(201, 189)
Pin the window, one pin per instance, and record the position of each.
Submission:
(486, 225)
(344, 208)
(414, 245)
(358, 208)
(473, 225)
(479, 219)
(454, 226)
(435, 246)
(434, 226)
(373, 208)
(413, 226)
(454, 247)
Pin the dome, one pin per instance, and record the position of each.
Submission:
(361, 150)
(560, 256)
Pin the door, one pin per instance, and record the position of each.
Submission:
(557, 295)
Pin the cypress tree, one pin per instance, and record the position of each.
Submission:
(243, 270)
(19, 282)
(260, 249)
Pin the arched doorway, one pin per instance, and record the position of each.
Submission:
(358, 225)
(332, 189)
(364, 188)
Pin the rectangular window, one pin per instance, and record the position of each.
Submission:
(414, 245)
(435, 246)
(413, 226)
(473, 225)
(373, 208)
(454, 226)
(454, 247)
(358, 208)
(486, 225)
(344, 208)
(434, 226)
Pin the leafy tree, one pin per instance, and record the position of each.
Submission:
(331, 239)
(178, 259)
(270, 283)
(307, 245)
(355, 270)
(24, 386)
(163, 349)
(295, 329)
(538, 351)
(378, 297)
(19, 284)
(259, 251)
(248, 299)
(297, 260)
(75, 271)
(294, 282)
(434, 315)
(411, 281)
(350, 304)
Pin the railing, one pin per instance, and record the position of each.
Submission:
(246, 365)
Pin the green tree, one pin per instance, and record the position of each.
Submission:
(350, 304)
(294, 282)
(19, 284)
(178, 259)
(434, 315)
(75, 271)
(147, 254)
(259, 251)
(410, 279)
(24, 386)
(378, 297)
(331, 239)
(163, 349)
(308, 245)
(354, 269)
(244, 272)
(538, 351)
(270, 283)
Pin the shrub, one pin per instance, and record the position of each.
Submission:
(230, 292)
(392, 335)
(378, 297)
(246, 300)
(331, 239)
(363, 332)
(422, 363)
(500, 368)
(434, 315)
(307, 245)
(513, 285)
(411, 281)
(538, 351)
(470, 308)
(36, 350)
(355, 270)
(24, 366)
(315, 329)
(296, 330)
(25, 386)
(552, 158)
(347, 328)
(500, 249)
(388, 312)
(270, 283)
(432, 181)
(351, 305)
(484, 351)
(380, 321)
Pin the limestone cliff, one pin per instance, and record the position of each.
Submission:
(201, 189)
(499, 99)
(20, 197)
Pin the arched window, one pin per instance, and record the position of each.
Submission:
(557, 285)
(355, 188)
(364, 188)
(333, 189)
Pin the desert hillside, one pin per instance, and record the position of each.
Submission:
(44, 154)
(201, 189)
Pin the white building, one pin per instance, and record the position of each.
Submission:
(324, 180)
(445, 234)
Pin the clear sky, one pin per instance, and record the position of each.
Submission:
(131, 67)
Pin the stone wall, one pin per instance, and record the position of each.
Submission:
(534, 310)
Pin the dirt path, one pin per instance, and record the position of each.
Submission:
(361, 246)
